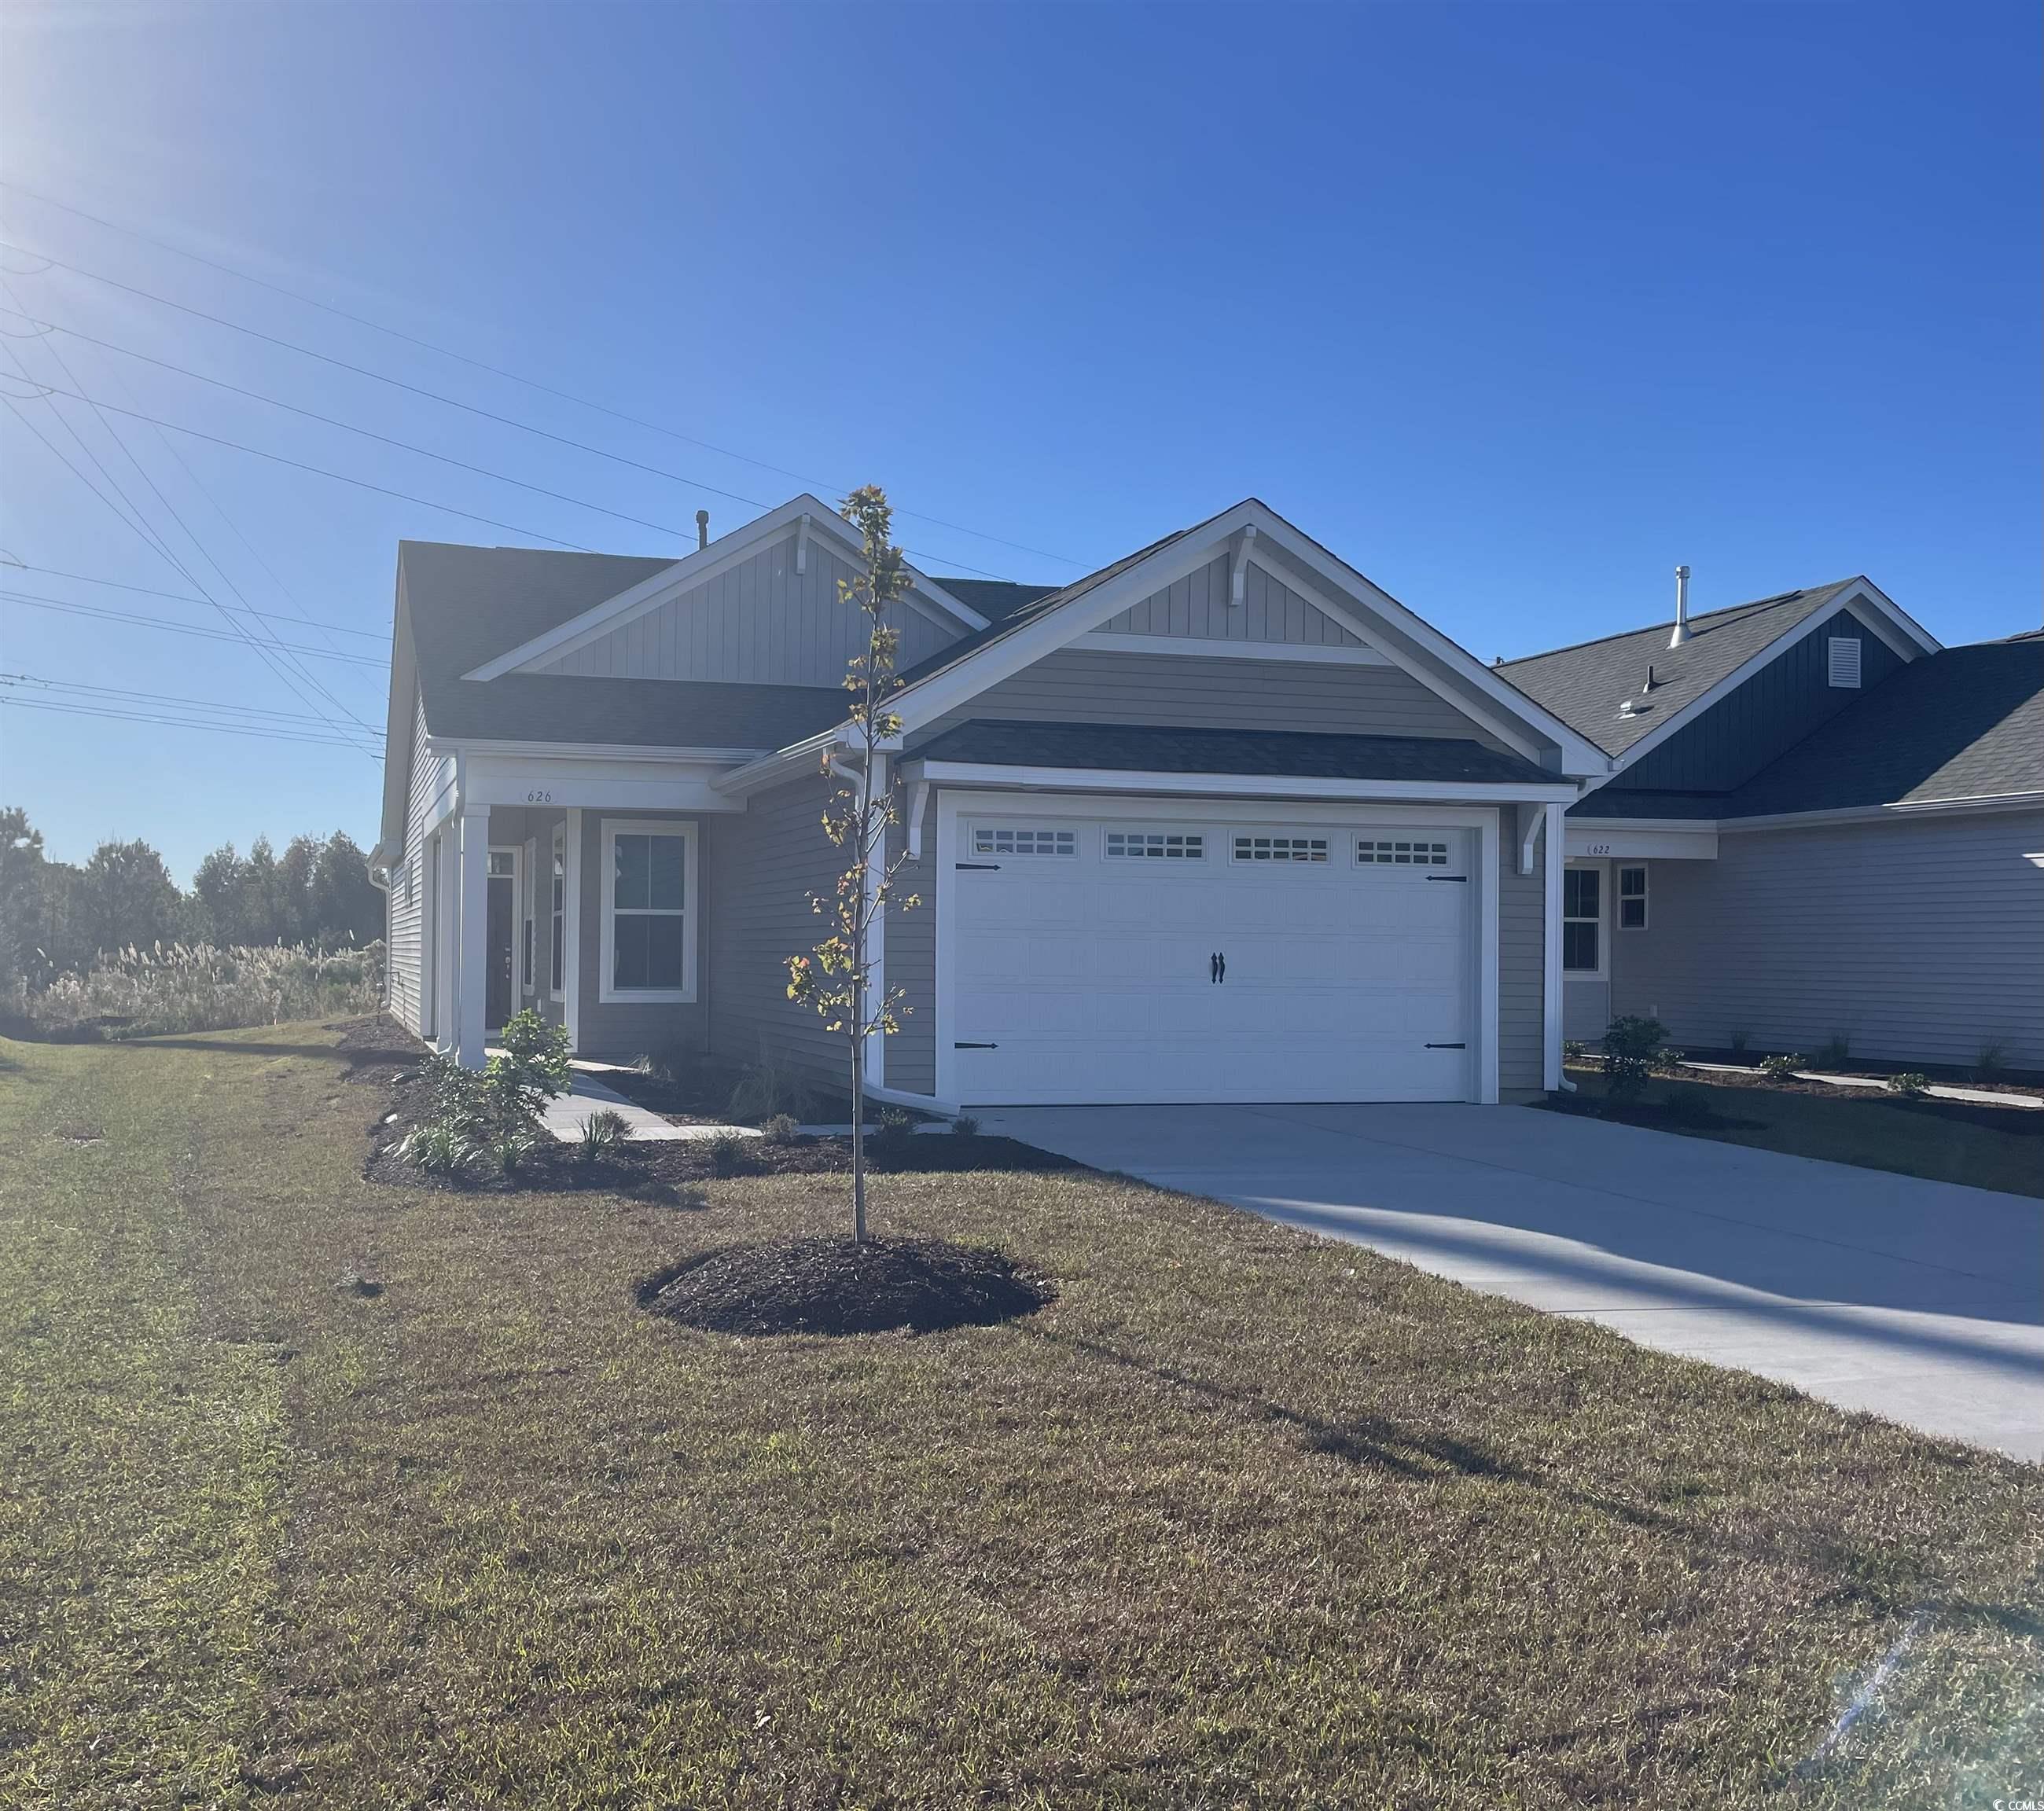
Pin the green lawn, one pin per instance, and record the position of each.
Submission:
(1242, 1518)
(1984, 1147)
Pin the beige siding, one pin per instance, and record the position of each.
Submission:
(1918, 940)
(761, 870)
(760, 622)
(1075, 685)
(912, 960)
(1522, 901)
(429, 781)
(1197, 607)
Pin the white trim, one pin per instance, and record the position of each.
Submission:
(585, 750)
(919, 800)
(695, 569)
(1646, 841)
(1239, 566)
(1601, 868)
(1214, 647)
(571, 842)
(528, 944)
(1859, 591)
(1551, 994)
(1619, 870)
(606, 906)
(1889, 813)
(472, 947)
(516, 852)
(557, 935)
(1237, 785)
(956, 807)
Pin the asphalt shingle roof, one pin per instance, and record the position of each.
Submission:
(1143, 748)
(1585, 685)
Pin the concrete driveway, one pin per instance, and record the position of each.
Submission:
(1920, 1301)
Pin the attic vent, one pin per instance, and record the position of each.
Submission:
(1844, 651)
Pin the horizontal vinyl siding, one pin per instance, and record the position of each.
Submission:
(761, 622)
(1197, 607)
(625, 1028)
(1522, 900)
(762, 868)
(1190, 691)
(912, 959)
(1918, 940)
(429, 780)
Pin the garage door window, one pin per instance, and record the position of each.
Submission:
(1280, 849)
(1397, 854)
(1582, 919)
(1003, 839)
(1154, 846)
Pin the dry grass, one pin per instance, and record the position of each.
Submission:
(1239, 1518)
(200, 987)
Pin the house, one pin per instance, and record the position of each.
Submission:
(1820, 825)
(1221, 821)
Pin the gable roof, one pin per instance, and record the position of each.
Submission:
(1587, 682)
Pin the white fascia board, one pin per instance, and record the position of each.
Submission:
(697, 568)
(1900, 808)
(1639, 841)
(1579, 753)
(1236, 785)
(586, 750)
(1892, 635)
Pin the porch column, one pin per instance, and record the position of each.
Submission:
(1557, 837)
(447, 919)
(472, 952)
(571, 928)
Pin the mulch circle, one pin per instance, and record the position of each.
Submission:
(837, 1286)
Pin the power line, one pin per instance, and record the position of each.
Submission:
(500, 371)
(72, 710)
(228, 706)
(73, 609)
(184, 597)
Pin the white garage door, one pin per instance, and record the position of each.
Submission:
(1170, 959)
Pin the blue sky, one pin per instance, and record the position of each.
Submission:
(1514, 307)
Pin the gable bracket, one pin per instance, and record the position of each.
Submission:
(1244, 545)
(801, 545)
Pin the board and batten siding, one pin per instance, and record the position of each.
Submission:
(1195, 690)
(761, 622)
(1786, 700)
(1522, 903)
(911, 949)
(428, 786)
(1918, 939)
(761, 868)
(1196, 607)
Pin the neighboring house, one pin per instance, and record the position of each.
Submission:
(1221, 821)
(1821, 825)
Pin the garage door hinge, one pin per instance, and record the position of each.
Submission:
(1461, 880)
(1447, 1046)
(975, 1046)
(979, 867)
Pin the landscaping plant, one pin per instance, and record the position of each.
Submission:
(199, 987)
(1632, 1050)
(493, 1111)
(1835, 1052)
(1667, 1060)
(837, 977)
(1993, 1058)
(604, 1133)
(1909, 1084)
(1782, 1068)
(780, 1129)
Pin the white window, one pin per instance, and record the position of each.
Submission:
(1004, 839)
(1401, 854)
(1582, 920)
(1155, 846)
(557, 957)
(503, 865)
(1844, 651)
(1280, 849)
(648, 926)
(1632, 897)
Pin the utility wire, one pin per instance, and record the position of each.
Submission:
(229, 707)
(72, 710)
(500, 371)
(184, 597)
(72, 609)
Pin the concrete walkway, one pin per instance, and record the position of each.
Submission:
(1920, 1301)
(1937, 1090)
(565, 1113)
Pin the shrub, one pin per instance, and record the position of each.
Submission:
(726, 1155)
(1909, 1084)
(1573, 1050)
(604, 1133)
(1667, 1060)
(494, 1111)
(966, 1126)
(1782, 1068)
(781, 1129)
(766, 1089)
(1993, 1058)
(202, 987)
(439, 1147)
(1630, 1046)
(1836, 1052)
(1740, 1039)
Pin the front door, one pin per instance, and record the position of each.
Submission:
(502, 915)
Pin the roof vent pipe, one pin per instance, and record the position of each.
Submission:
(1681, 607)
(702, 531)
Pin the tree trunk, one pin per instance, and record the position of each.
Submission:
(858, 1114)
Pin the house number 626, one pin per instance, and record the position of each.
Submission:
(536, 797)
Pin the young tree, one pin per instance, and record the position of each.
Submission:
(836, 978)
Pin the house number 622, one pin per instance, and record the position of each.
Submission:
(536, 797)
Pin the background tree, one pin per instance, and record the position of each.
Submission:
(21, 917)
(836, 978)
(125, 895)
(345, 905)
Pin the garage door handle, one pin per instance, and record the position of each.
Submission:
(975, 1046)
(1217, 969)
(978, 867)
(1460, 880)
(1447, 1046)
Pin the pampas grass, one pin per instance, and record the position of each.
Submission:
(197, 987)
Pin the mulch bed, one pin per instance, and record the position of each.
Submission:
(1656, 1114)
(836, 1286)
(1677, 1114)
